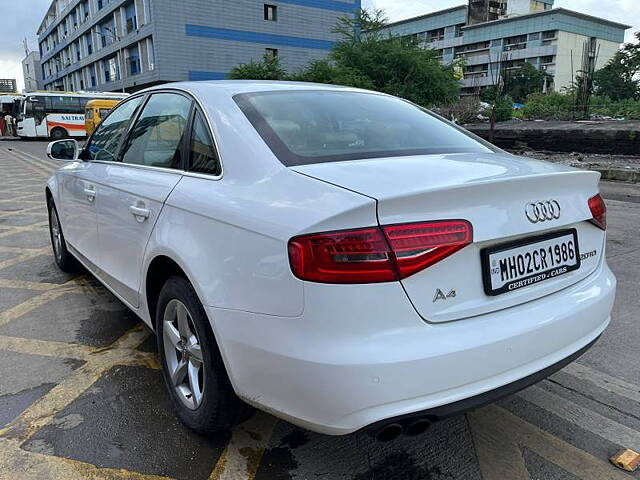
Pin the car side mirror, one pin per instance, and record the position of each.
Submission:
(63, 150)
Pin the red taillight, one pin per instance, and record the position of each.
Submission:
(598, 212)
(371, 255)
(417, 246)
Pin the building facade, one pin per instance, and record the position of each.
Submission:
(8, 85)
(494, 37)
(111, 45)
(32, 72)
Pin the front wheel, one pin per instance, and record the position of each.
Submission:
(192, 366)
(58, 133)
(63, 258)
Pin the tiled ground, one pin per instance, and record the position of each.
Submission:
(81, 395)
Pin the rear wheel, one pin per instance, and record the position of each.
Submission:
(58, 133)
(63, 258)
(192, 366)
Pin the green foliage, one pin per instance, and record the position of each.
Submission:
(552, 106)
(323, 71)
(560, 106)
(614, 80)
(489, 94)
(365, 57)
(394, 65)
(525, 81)
(267, 69)
(619, 79)
(503, 107)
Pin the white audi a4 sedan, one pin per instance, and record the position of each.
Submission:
(340, 258)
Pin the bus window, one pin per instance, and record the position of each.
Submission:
(57, 115)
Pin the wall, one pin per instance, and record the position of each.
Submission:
(200, 40)
(571, 44)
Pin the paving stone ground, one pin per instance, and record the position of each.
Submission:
(81, 395)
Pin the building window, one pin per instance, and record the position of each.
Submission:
(271, 52)
(112, 70)
(131, 23)
(133, 61)
(270, 13)
(150, 54)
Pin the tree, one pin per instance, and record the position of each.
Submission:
(525, 81)
(394, 65)
(367, 57)
(267, 69)
(618, 79)
(324, 71)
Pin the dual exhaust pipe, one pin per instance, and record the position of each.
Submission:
(391, 431)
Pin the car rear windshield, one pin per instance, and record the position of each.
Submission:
(316, 126)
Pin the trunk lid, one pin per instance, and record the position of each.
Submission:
(489, 190)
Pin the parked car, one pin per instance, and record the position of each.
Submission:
(340, 258)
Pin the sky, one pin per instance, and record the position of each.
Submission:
(21, 19)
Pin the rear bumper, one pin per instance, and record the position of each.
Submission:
(478, 401)
(361, 355)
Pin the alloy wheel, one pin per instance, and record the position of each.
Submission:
(56, 235)
(183, 354)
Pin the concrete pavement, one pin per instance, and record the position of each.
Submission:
(81, 395)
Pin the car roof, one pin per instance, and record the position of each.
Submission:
(234, 87)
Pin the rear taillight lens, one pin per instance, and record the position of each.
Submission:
(598, 212)
(376, 254)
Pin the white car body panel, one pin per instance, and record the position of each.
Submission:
(122, 235)
(248, 224)
(337, 358)
(77, 208)
(491, 192)
(338, 369)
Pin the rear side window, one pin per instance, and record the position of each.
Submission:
(156, 137)
(303, 127)
(106, 139)
(203, 157)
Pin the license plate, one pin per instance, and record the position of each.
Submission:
(523, 263)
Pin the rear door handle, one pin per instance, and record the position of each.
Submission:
(140, 213)
(90, 193)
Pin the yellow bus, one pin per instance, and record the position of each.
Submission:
(95, 111)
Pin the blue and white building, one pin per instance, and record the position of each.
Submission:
(110, 45)
(497, 36)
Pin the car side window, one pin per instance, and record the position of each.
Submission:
(156, 138)
(203, 157)
(106, 139)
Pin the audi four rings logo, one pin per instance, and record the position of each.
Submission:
(542, 211)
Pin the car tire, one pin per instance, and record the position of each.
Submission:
(58, 133)
(63, 258)
(192, 365)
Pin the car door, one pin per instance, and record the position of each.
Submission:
(80, 180)
(136, 186)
